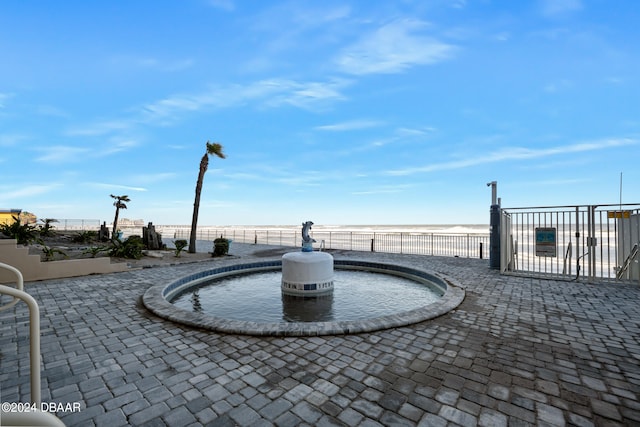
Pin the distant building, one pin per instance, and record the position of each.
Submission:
(7, 215)
(126, 222)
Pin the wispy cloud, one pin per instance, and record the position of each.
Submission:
(168, 66)
(117, 145)
(51, 111)
(553, 8)
(3, 99)
(411, 132)
(458, 4)
(227, 5)
(11, 139)
(404, 134)
(558, 86)
(100, 128)
(71, 154)
(153, 177)
(26, 191)
(269, 92)
(383, 189)
(350, 125)
(309, 95)
(108, 186)
(515, 153)
(278, 173)
(62, 153)
(393, 48)
(128, 62)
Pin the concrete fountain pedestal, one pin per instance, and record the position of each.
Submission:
(307, 273)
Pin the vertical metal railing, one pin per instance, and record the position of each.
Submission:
(465, 245)
(591, 242)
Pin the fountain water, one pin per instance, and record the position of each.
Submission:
(307, 273)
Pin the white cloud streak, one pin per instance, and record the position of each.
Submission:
(27, 191)
(154, 177)
(100, 128)
(62, 153)
(9, 140)
(107, 186)
(551, 8)
(70, 154)
(227, 5)
(3, 98)
(393, 48)
(384, 189)
(514, 153)
(269, 92)
(350, 125)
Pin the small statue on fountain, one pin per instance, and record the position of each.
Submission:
(307, 241)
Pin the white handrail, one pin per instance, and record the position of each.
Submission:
(34, 326)
(37, 417)
(34, 337)
(19, 282)
(627, 262)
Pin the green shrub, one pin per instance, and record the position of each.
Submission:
(85, 237)
(130, 248)
(95, 250)
(46, 229)
(180, 245)
(50, 253)
(220, 246)
(23, 233)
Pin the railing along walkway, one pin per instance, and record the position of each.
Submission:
(465, 245)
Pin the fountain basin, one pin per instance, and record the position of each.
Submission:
(157, 298)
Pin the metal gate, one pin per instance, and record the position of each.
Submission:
(585, 242)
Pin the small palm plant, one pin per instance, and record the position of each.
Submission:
(95, 250)
(50, 253)
(23, 233)
(180, 245)
(46, 229)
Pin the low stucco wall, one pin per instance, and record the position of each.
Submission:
(33, 269)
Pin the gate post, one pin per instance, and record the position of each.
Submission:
(494, 229)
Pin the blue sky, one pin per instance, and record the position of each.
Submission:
(340, 112)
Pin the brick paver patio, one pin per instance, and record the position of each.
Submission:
(518, 351)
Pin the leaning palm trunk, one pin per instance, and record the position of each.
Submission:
(216, 149)
(115, 222)
(204, 164)
(119, 204)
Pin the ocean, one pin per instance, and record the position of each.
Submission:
(369, 228)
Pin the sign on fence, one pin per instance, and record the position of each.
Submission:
(618, 214)
(546, 242)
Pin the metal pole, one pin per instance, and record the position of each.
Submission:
(494, 244)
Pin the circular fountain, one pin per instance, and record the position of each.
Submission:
(307, 273)
(233, 298)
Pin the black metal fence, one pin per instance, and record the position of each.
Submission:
(467, 245)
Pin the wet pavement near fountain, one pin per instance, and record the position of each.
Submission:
(517, 351)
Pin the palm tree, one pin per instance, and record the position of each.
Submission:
(216, 149)
(119, 204)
